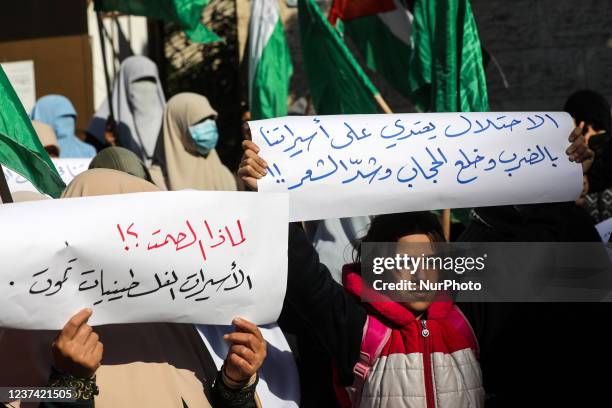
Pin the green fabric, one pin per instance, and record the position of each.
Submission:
(121, 159)
(337, 82)
(271, 82)
(188, 13)
(382, 50)
(20, 148)
(445, 70)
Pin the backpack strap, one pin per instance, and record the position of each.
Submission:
(375, 336)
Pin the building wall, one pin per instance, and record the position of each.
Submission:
(64, 45)
(547, 49)
(55, 38)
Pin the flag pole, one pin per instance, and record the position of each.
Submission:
(111, 114)
(446, 223)
(382, 103)
(5, 193)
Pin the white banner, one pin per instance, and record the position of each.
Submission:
(351, 165)
(67, 169)
(187, 257)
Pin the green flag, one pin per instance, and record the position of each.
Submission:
(269, 61)
(20, 148)
(380, 29)
(188, 13)
(337, 82)
(445, 71)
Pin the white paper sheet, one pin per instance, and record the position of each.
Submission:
(21, 75)
(605, 229)
(188, 257)
(67, 169)
(352, 165)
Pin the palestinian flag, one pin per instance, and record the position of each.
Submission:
(381, 31)
(269, 61)
(337, 83)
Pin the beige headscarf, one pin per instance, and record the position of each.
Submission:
(23, 196)
(121, 159)
(176, 158)
(96, 182)
(144, 365)
(45, 133)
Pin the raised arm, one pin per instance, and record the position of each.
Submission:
(314, 301)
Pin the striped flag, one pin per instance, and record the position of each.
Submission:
(381, 30)
(337, 82)
(269, 61)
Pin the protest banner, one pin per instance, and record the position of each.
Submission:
(351, 165)
(604, 229)
(67, 169)
(186, 257)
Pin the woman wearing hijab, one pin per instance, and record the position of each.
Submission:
(185, 156)
(47, 138)
(21, 364)
(118, 158)
(138, 106)
(149, 364)
(57, 111)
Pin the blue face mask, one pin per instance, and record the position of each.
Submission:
(205, 135)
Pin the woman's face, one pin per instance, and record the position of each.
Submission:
(417, 245)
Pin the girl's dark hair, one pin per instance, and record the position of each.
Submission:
(391, 227)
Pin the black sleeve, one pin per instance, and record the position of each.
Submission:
(600, 174)
(85, 390)
(317, 303)
(226, 397)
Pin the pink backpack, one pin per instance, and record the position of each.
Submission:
(375, 336)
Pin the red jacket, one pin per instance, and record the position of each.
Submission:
(428, 363)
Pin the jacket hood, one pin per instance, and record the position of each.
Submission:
(384, 308)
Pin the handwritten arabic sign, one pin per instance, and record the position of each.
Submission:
(351, 165)
(67, 169)
(188, 257)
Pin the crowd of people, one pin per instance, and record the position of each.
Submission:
(328, 348)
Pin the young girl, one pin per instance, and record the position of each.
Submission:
(384, 353)
(430, 356)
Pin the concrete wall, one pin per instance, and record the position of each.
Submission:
(546, 48)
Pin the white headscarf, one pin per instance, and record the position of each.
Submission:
(138, 106)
